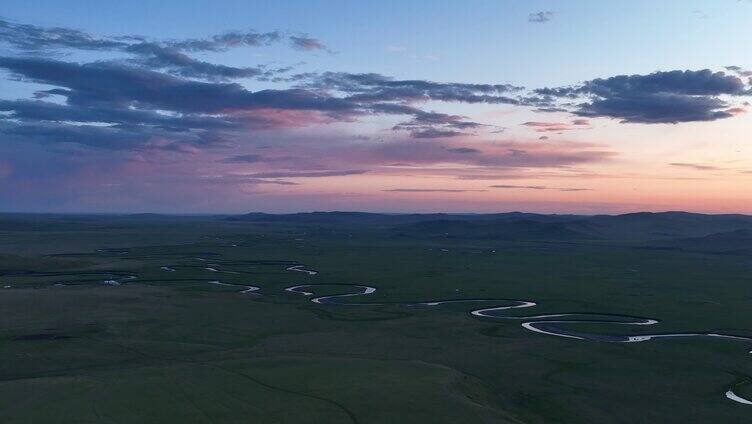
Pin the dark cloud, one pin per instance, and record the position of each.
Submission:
(170, 54)
(432, 124)
(161, 86)
(374, 88)
(702, 83)
(158, 96)
(423, 119)
(160, 75)
(309, 174)
(36, 110)
(156, 56)
(660, 97)
(463, 150)
(33, 38)
(433, 118)
(538, 187)
(117, 93)
(234, 179)
(540, 17)
(434, 133)
(658, 109)
(429, 190)
(118, 86)
(227, 40)
(695, 166)
(112, 84)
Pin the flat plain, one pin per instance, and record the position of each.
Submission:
(147, 318)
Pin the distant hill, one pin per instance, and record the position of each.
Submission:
(729, 242)
(500, 229)
(311, 217)
(663, 225)
(632, 227)
(387, 219)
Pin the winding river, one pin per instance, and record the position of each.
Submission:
(301, 268)
(556, 325)
(245, 288)
(548, 324)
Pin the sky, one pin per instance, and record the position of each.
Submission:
(384, 106)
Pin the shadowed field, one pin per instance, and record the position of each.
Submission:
(132, 319)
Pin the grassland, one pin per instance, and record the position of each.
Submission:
(166, 346)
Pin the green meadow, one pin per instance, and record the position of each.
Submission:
(160, 344)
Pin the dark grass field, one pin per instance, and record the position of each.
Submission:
(166, 346)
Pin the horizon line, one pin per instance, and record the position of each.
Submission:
(209, 214)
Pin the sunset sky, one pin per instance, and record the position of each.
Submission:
(385, 106)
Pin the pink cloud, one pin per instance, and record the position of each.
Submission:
(547, 126)
(736, 110)
(576, 124)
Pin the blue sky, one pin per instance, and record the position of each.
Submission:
(583, 39)
(644, 151)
